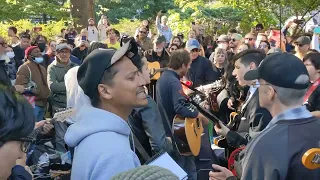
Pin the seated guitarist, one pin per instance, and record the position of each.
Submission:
(169, 102)
(253, 118)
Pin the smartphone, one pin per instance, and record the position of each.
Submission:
(316, 30)
(83, 38)
(163, 11)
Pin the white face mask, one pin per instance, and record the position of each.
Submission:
(10, 54)
(223, 46)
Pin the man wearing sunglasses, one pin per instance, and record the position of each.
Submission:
(234, 42)
(143, 40)
(250, 39)
(302, 45)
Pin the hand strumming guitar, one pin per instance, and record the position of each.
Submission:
(221, 173)
(47, 126)
(223, 130)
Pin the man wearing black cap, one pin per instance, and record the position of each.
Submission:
(101, 133)
(302, 45)
(277, 151)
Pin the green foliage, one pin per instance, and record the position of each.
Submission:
(127, 26)
(50, 30)
(26, 9)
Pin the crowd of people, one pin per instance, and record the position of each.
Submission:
(124, 116)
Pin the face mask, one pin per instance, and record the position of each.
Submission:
(38, 60)
(10, 54)
(223, 46)
(42, 46)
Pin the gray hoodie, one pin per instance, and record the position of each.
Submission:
(102, 147)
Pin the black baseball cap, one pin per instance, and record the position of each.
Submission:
(282, 70)
(95, 64)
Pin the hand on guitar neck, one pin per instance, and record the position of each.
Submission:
(47, 126)
(222, 130)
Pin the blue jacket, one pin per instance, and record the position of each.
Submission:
(102, 147)
(19, 173)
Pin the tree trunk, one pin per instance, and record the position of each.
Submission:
(81, 11)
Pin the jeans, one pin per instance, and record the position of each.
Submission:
(60, 129)
(39, 112)
(187, 164)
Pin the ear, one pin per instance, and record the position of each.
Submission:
(253, 66)
(105, 91)
(271, 93)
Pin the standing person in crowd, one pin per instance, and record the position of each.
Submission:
(41, 42)
(81, 49)
(200, 72)
(163, 28)
(242, 47)
(70, 35)
(177, 41)
(11, 66)
(33, 73)
(93, 33)
(234, 43)
(158, 53)
(144, 42)
(4, 78)
(250, 39)
(312, 97)
(219, 61)
(172, 48)
(112, 41)
(50, 54)
(282, 92)
(25, 42)
(146, 24)
(264, 45)
(223, 42)
(16, 125)
(115, 87)
(56, 72)
(302, 45)
(12, 33)
(103, 24)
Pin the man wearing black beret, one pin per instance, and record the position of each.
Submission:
(101, 134)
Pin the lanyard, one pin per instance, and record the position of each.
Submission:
(310, 90)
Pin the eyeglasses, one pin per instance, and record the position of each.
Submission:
(143, 32)
(250, 39)
(263, 46)
(300, 45)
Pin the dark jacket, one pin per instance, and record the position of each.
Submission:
(254, 120)
(19, 55)
(146, 123)
(314, 100)
(80, 54)
(168, 93)
(4, 78)
(201, 72)
(56, 72)
(153, 57)
(276, 153)
(19, 173)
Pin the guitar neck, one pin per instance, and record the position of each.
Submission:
(206, 113)
(37, 131)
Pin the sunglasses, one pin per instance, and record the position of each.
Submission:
(263, 46)
(250, 39)
(143, 32)
(300, 45)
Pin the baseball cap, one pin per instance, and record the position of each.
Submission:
(303, 40)
(223, 38)
(192, 44)
(236, 36)
(95, 64)
(282, 70)
(63, 46)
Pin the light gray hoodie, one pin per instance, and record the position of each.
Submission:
(102, 147)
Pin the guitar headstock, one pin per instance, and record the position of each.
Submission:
(311, 158)
(64, 113)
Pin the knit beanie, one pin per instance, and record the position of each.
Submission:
(147, 172)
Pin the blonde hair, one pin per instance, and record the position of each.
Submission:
(214, 55)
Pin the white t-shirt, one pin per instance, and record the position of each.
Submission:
(93, 33)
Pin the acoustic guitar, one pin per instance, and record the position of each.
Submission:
(187, 133)
(155, 70)
(311, 158)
